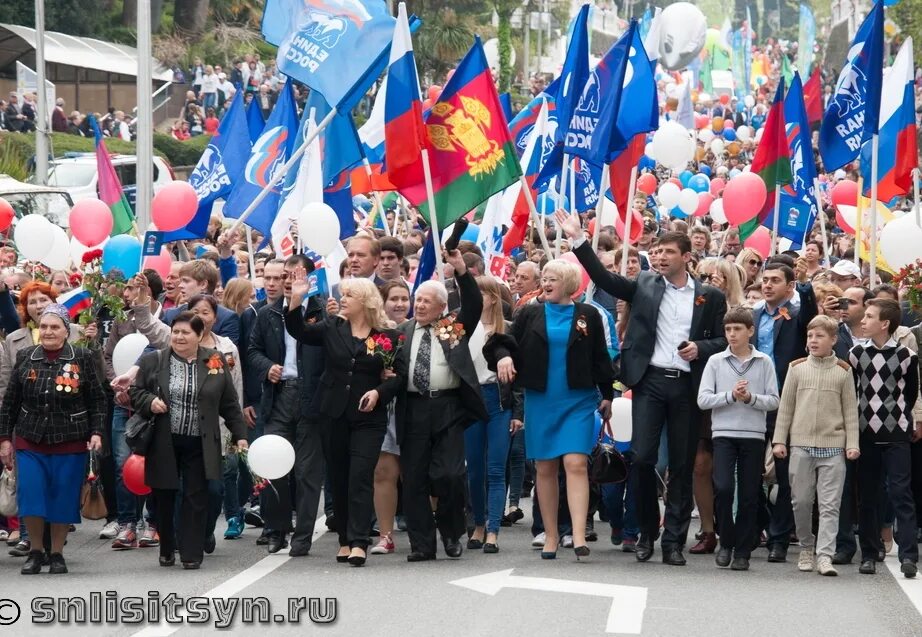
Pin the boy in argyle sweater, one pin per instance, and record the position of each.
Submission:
(887, 378)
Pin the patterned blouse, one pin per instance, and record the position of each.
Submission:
(183, 397)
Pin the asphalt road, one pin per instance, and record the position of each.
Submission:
(510, 593)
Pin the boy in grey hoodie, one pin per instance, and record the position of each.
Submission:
(739, 386)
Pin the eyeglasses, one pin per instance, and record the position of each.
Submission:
(755, 262)
(705, 277)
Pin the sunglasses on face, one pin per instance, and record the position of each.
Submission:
(755, 262)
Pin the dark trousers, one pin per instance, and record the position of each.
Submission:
(432, 463)
(286, 420)
(916, 453)
(352, 450)
(658, 400)
(737, 470)
(893, 461)
(845, 538)
(194, 504)
(781, 513)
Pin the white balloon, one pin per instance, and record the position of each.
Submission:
(31, 237)
(706, 135)
(77, 249)
(901, 242)
(749, 101)
(669, 194)
(717, 211)
(58, 258)
(683, 29)
(717, 145)
(744, 133)
(758, 136)
(648, 150)
(318, 227)
(127, 352)
(672, 144)
(271, 457)
(688, 201)
(621, 423)
(704, 98)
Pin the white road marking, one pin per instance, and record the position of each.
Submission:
(912, 587)
(235, 584)
(627, 605)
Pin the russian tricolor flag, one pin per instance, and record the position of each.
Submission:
(531, 162)
(897, 152)
(76, 301)
(404, 131)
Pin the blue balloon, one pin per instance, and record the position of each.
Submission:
(685, 176)
(471, 233)
(699, 183)
(547, 205)
(733, 173)
(705, 169)
(677, 213)
(729, 134)
(122, 253)
(646, 163)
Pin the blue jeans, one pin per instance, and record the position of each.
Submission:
(130, 506)
(618, 500)
(236, 486)
(486, 446)
(209, 100)
(516, 467)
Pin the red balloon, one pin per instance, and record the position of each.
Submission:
(90, 221)
(636, 226)
(174, 206)
(629, 394)
(702, 121)
(6, 214)
(133, 475)
(760, 241)
(717, 185)
(434, 91)
(677, 182)
(845, 193)
(161, 263)
(728, 124)
(705, 199)
(584, 281)
(646, 183)
(725, 99)
(743, 198)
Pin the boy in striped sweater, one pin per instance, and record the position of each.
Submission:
(887, 376)
(817, 426)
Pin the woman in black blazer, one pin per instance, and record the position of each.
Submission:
(354, 399)
(564, 368)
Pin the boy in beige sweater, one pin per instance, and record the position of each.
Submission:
(818, 420)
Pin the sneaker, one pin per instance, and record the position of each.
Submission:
(252, 516)
(127, 537)
(629, 545)
(616, 537)
(567, 541)
(538, 542)
(805, 561)
(824, 566)
(109, 531)
(23, 548)
(384, 546)
(234, 528)
(149, 536)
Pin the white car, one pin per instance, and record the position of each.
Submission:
(76, 173)
(26, 199)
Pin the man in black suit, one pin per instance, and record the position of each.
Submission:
(781, 334)
(15, 119)
(675, 325)
(291, 378)
(441, 398)
(363, 252)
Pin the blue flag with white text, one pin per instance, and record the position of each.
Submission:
(255, 120)
(803, 168)
(574, 74)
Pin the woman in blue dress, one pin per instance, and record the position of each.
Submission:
(567, 377)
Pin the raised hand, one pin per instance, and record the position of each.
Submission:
(569, 223)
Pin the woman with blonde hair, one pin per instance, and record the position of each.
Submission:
(486, 442)
(727, 278)
(751, 261)
(238, 295)
(359, 349)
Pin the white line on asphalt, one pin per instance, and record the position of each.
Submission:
(235, 584)
(627, 602)
(912, 587)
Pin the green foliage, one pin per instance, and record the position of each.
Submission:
(66, 16)
(504, 38)
(908, 16)
(179, 153)
(13, 159)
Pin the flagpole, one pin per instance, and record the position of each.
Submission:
(252, 257)
(542, 232)
(628, 217)
(280, 175)
(599, 204)
(859, 222)
(821, 215)
(774, 237)
(376, 198)
(915, 193)
(561, 190)
(875, 140)
(433, 217)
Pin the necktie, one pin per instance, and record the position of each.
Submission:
(423, 358)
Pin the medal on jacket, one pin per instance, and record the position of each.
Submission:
(69, 380)
(32, 376)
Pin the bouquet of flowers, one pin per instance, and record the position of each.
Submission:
(259, 483)
(105, 290)
(382, 345)
(910, 277)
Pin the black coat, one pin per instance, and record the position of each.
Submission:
(349, 370)
(645, 294)
(36, 405)
(458, 357)
(216, 397)
(588, 364)
(252, 384)
(790, 334)
(267, 348)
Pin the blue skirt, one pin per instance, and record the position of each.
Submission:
(48, 485)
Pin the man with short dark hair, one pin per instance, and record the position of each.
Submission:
(363, 253)
(675, 325)
(391, 257)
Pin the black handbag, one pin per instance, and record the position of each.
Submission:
(606, 464)
(139, 431)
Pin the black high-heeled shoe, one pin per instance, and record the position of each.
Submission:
(474, 544)
(581, 551)
(356, 560)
